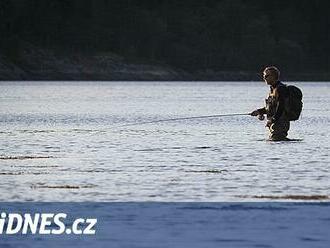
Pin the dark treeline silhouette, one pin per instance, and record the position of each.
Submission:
(233, 35)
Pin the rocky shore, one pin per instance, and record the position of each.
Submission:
(42, 64)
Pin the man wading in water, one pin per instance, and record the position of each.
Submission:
(277, 120)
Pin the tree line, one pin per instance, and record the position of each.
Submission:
(235, 35)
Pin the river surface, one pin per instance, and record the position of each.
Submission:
(67, 141)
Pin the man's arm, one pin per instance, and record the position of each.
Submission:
(262, 111)
(282, 95)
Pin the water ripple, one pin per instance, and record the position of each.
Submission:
(23, 157)
(289, 197)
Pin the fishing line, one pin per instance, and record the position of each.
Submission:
(184, 118)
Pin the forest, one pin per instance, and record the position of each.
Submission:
(218, 35)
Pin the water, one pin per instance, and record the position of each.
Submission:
(65, 141)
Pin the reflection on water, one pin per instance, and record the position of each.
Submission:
(68, 142)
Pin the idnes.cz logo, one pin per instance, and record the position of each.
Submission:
(44, 223)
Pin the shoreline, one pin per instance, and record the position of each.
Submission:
(39, 64)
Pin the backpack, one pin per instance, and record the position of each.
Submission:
(294, 104)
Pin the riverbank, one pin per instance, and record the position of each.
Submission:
(34, 63)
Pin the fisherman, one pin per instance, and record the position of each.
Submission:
(277, 121)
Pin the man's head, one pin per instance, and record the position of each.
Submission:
(271, 75)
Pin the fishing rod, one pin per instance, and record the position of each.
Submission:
(186, 118)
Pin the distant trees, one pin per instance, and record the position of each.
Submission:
(192, 35)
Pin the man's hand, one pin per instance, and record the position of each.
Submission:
(261, 117)
(254, 113)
